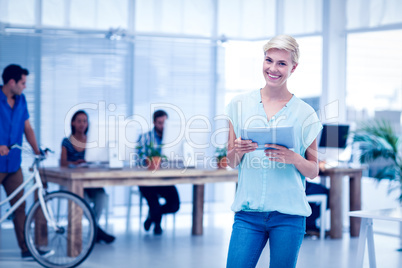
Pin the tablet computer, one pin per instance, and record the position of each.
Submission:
(269, 135)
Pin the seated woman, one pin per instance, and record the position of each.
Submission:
(73, 153)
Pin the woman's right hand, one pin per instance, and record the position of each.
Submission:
(244, 146)
(237, 147)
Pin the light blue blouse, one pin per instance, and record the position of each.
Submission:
(266, 185)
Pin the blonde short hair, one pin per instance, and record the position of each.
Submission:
(285, 42)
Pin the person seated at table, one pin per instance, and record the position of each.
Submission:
(73, 153)
(153, 193)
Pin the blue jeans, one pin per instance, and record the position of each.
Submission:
(250, 234)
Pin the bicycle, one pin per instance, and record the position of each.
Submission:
(60, 227)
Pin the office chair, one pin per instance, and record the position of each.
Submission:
(322, 200)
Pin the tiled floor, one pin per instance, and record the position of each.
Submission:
(179, 249)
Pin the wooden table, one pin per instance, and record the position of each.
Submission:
(335, 200)
(75, 180)
(366, 230)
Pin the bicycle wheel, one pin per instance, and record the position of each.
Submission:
(70, 243)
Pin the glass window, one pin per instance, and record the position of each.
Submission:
(302, 16)
(83, 73)
(17, 12)
(198, 18)
(83, 14)
(176, 75)
(373, 13)
(174, 16)
(53, 13)
(112, 14)
(242, 67)
(176, 71)
(246, 19)
(99, 14)
(306, 81)
(374, 70)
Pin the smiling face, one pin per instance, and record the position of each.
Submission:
(277, 67)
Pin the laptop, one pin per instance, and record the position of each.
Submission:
(105, 156)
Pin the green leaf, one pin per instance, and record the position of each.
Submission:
(378, 140)
(221, 152)
(151, 150)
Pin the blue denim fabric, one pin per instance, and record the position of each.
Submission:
(252, 230)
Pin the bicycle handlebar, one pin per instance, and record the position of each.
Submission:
(41, 156)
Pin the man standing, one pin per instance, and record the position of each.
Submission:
(14, 122)
(153, 193)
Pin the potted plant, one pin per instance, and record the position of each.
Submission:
(221, 158)
(379, 140)
(152, 154)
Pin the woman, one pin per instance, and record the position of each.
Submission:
(73, 153)
(270, 202)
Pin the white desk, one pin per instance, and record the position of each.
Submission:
(366, 230)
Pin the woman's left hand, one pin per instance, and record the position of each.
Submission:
(281, 154)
